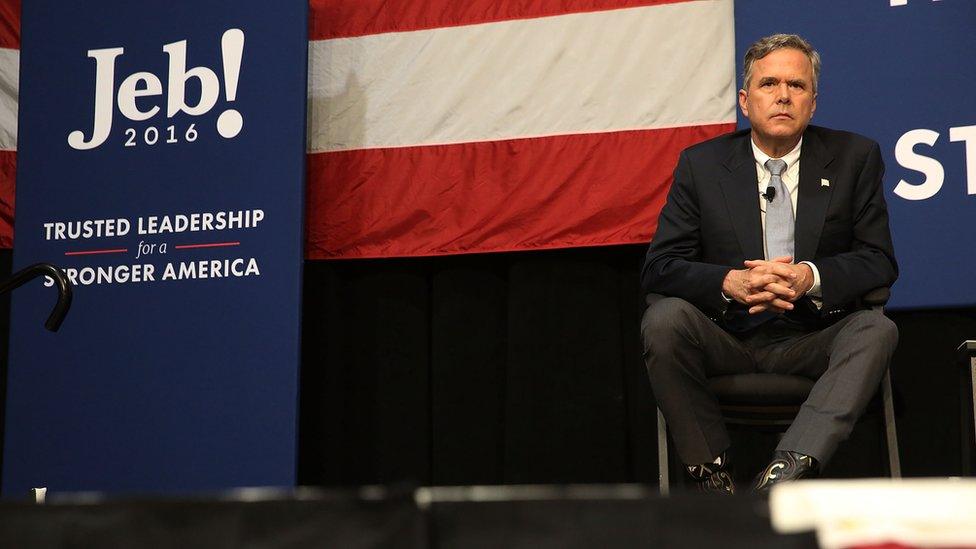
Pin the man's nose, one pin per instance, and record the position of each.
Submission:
(783, 93)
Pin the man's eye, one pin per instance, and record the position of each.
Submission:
(797, 85)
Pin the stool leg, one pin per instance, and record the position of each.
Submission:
(662, 455)
(891, 432)
(972, 381)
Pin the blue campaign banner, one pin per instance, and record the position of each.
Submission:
(902, 73)
(161, 162)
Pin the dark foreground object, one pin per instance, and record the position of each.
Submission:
(512, 517)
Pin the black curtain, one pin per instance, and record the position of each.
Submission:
(481, 369)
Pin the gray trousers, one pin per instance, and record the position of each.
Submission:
(683, 348)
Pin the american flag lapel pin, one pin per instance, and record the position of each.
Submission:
(824, 182)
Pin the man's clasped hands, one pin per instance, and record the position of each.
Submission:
(768, 285)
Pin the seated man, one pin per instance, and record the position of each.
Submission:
(768, 237)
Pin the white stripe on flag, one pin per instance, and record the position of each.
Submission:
(9, 84)
(651, 67)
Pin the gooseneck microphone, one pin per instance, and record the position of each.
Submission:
(770, 193)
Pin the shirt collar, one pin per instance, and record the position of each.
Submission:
(790, 158)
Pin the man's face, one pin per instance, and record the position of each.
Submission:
(779, 101)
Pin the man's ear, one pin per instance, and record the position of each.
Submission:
(743, 95)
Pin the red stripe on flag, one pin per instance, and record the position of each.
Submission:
(10, 24)
(345, 18)
(520, 194)
(8, 175)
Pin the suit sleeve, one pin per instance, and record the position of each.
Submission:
(871, 261)
(672, 266)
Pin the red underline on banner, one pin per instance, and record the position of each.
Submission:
(214, 245)
(93, 252)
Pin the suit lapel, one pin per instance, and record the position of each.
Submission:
(813, 196)
(741, 188)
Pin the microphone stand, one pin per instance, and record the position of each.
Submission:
(27, 274)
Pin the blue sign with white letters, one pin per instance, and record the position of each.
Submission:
(161, 161)
(902, 73)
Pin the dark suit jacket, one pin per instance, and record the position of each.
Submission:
(711, 221)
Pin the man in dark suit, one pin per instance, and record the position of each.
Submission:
(768, 237)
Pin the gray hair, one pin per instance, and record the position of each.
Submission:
(769, 44)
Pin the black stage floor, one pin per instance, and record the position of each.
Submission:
(460, 517)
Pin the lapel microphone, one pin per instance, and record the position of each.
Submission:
(770, 193)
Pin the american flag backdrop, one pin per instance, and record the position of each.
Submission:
(442, 127)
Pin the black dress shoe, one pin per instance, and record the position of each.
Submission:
(713, 478)
(786, 466)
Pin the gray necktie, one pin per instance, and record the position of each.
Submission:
(779, 214)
